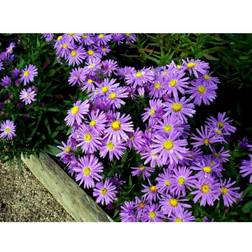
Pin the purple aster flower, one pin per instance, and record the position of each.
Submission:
(105, 193)
(130, 38)
(48, 36)
(7, 129)
(136, 140)
(128, 212)
(28, 74)
(222, 123)
(113, 148)
(142, 170)
(88, 170)
(76, 113)
(202, 93)
(109, 67)
(205, 137)
(222, 155)
(92, 54)
(150, 192)
(115, 96)
(209, 80)
(181, 179)
(164, 181)
(118, 38)
(181, 216)
(27, 95)
(66, 152)
(150, 157)
(15, 73)
(157, 88)
(181, 108)
(102, 39)
(76, 56)
(230, 194)
(88, 141)
(207, 191)
(77, 76)
(97, 121)
(246, 168)
(171, 205)
(103, 50)
(118, 128)
(152, 213)
(6, 81)
(170, 149)
(154, 112)
(196, 67)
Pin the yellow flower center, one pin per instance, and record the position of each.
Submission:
(73, 53)
(7, 130)
(168, 144)
(206, 77)
(26, 73)
(173, 202)
(201, 89)
(112, 96)
(90, 81)
(167, 128)
(104, 49)
(173, 83)
(220, 124)
(191, 64)
(152, 111)
(90, 52)
(87, 137)
(224, 190)
(84, 36)
(116, 125)
(59, 38)
(217, 131)
(64, 46)
(206, 141)
(92, 123)
(181, 180)
(153, 188)
(141, 168)
(101, 36)
(157, 85)
(178, 219)
(105, 89)
(152, 215)
(207, 169)
(176, 107)
(103, 191)
(205, 188)
(67, 149)
(110, 146)
(86, 171)
(139, 74)
(167, 182)
(141, 205)
(74, 110)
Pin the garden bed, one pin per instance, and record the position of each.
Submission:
(68, 194)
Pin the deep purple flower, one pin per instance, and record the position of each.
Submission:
(105, 193)
(28, 74)
(6, 81)
(27, 95)
(7, 130)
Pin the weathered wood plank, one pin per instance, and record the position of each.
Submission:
(74, 200)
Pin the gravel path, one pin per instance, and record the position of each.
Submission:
(23, 198)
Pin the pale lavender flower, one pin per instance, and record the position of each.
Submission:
(7, 130)
(27, 95)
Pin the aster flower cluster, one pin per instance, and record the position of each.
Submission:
(176, 163)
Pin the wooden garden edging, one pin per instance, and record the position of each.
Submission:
(67, 192)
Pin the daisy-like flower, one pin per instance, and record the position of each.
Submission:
(6, 81)
(152, 213)
(66, 152)
(112, 148)
(181, 179)
(171, 205)
(105, 193)
(170, 149)
(196, 67)
(97, 121)
(92, 53)
(150, 192)
(209, 80)
(102, 39)
(88, 170)
(115, 97)
(118, 128)
(28, 74)
(136, 140)
(157, 88)
(181, 108)
(77, 112)
(230, 194)
(7, 130)
(76, 56)
(205, 137)
(140, 206)
(88, 141)
(222, 123)
(142, 170)
(77, 76)
(202, 93)
(109, 67)
(164, 181)
(128, 212)
(154, 112)
(246, 168)
(182, 216)
(140, 77)
(222, 155)
(105, 87)
(27, 95)
(207, 191)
